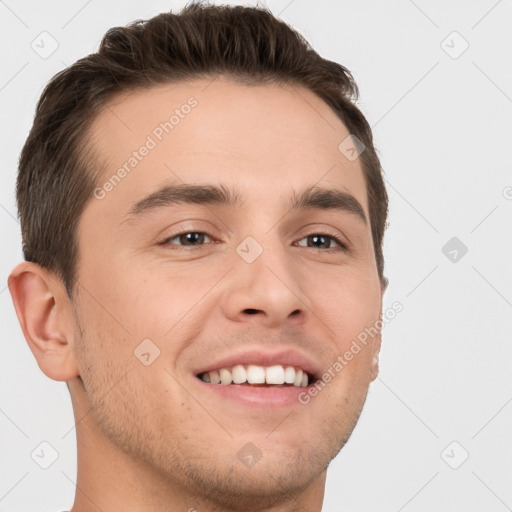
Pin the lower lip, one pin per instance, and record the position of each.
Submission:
(264, 397)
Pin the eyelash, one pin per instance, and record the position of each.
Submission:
(341, 244)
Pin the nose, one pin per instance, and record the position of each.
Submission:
(266, 291)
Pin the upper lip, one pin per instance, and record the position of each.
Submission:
(260, 357)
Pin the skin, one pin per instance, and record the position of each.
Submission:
(149, 437)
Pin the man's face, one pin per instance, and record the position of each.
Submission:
(289, 295)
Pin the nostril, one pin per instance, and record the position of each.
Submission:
(251, 311)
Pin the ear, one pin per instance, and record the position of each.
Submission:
(374, 371)
(44, 312)
(384, 282)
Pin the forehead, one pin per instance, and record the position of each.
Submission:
(259, 138)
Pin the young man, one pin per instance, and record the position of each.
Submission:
(202, 213)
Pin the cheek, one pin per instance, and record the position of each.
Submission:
(130, 299)
(114, 371)
(348, 302)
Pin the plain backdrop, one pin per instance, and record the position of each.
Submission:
(436, 85)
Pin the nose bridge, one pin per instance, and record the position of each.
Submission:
(264, 283)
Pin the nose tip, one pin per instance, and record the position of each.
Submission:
(264, 298)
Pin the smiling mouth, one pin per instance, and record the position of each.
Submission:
(257, 376)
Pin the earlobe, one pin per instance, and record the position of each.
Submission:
(374, 372)
(375, 368)
(41, 310)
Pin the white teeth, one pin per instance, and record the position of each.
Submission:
(225, 376)
(239, 374)
(289, 375)
(274, 375)
(254, 374)
(214, 377)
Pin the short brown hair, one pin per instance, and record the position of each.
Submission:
(56, 175)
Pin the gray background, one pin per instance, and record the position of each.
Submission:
(442, 121)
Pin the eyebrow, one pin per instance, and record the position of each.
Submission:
(311, 198)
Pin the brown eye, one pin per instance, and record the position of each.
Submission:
(322, 241)
(187, 239)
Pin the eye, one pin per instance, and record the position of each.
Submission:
(187, 239)
(322, 241)
(199, 238)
